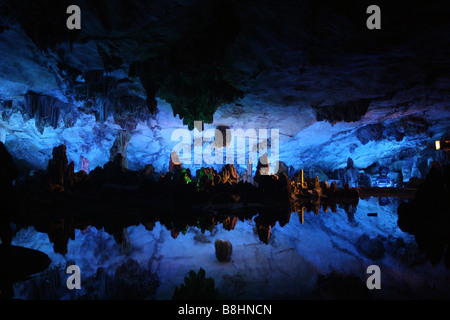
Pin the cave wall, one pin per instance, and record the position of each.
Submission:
(311, 70)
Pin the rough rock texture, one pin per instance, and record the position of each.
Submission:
(372, 248)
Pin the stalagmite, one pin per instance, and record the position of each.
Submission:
(58, 165)
(84, 164)
(247, 175)
(120, 146)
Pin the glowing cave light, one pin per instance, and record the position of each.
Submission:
(438, 145)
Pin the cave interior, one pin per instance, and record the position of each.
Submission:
(311, 144)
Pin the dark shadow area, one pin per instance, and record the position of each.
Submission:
(427, 217)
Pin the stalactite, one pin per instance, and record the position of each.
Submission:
(45, 109)
(349, 111)
(110, 97)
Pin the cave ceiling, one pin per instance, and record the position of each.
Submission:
(197, 55)
(311, 69)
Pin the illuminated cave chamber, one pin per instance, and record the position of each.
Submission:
(92, 113)
(330, 98)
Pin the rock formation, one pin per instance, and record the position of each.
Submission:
(84, 164)
(120, 146)
(174, 162)
(229, 174)
(350, 174)
(427, 216)
(58, 165)
(247, 176)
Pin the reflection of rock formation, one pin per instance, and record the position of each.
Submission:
(264, 224)
(59, 232)
(264, 233)
(230, 223)
(61, 229)
(122, 238)
(284, 219)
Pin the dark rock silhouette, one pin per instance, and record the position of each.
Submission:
(196, 287)
(341, 286)
(16, 264)
(8, 173)
(428, 216)
(57, 168)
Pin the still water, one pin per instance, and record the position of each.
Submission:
(302, 255)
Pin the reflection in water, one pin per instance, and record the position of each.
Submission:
(384, 201)
(60, 229)
(319, 233)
